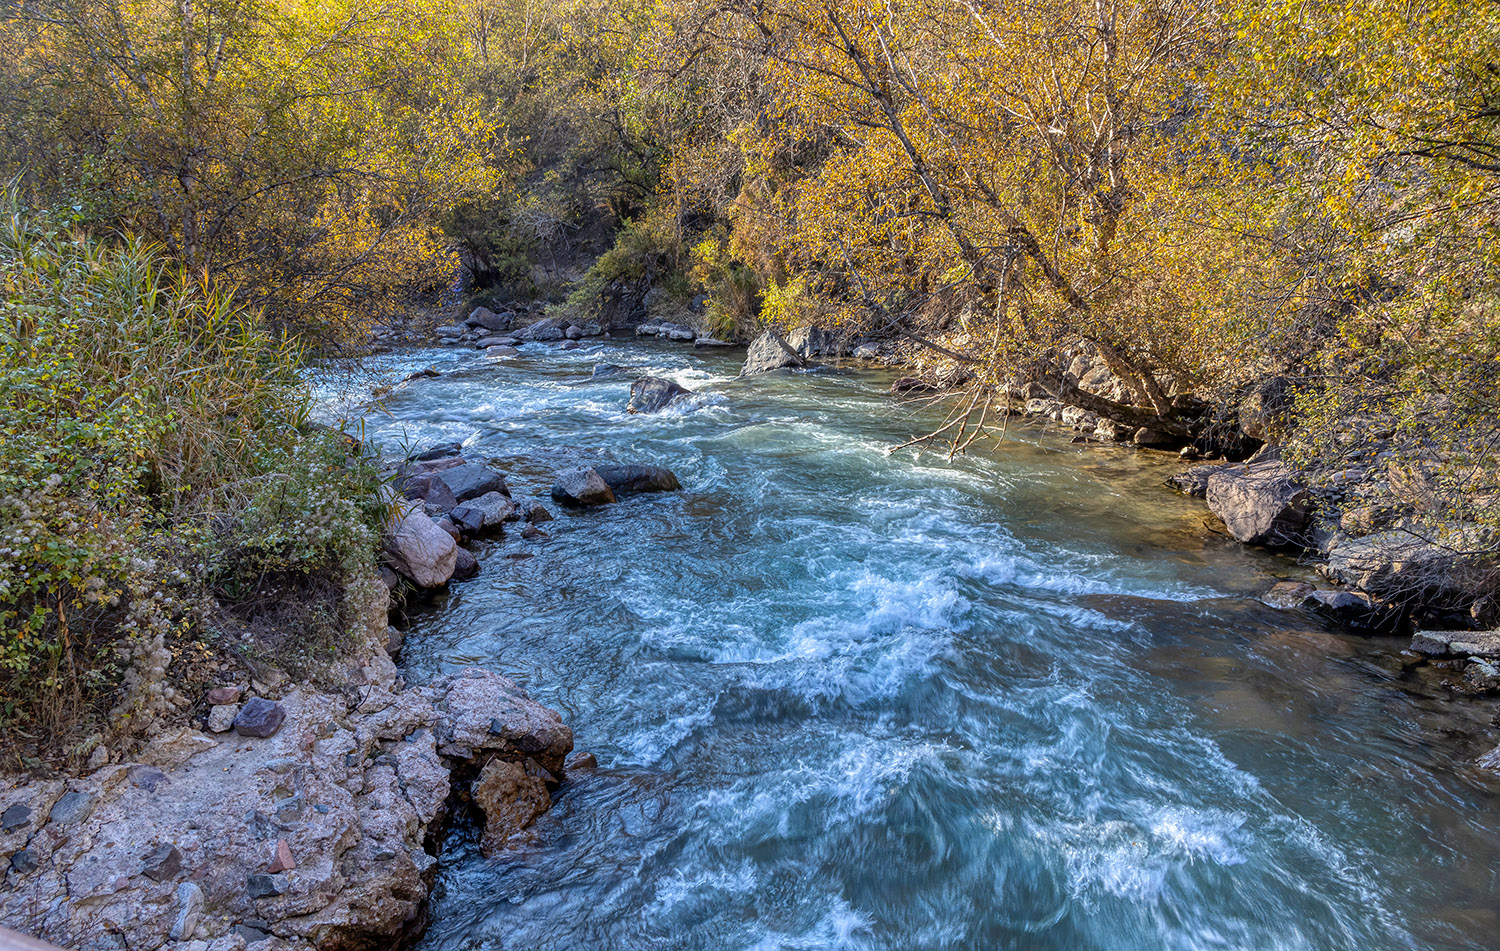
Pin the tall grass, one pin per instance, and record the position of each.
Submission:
(153, 441)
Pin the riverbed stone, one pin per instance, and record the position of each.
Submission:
(1357, 611)
(259, 718)
(581, 487)
(418, 549)
(800, 347)
(486, 319)
(549, 328)
(1457, 643)
(532, 511)
(626, 479)
(430, 488)
(471, 480)
(465, 566)
(1425, 568)
(483, 515)
(651, 394)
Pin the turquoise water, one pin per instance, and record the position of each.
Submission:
(848, 699)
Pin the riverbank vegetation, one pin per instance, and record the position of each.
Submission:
(1296, 204)
(163, 498)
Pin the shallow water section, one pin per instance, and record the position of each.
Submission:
(849, 699)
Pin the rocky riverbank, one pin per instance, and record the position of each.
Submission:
(288, 817)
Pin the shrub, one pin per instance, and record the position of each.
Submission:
(154, 452)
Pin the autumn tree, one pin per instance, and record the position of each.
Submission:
(1376, 132)
(300, 151)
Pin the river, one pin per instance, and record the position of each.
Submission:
(848, 699)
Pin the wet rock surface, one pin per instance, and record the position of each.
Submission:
(625, 479)
(652, 394)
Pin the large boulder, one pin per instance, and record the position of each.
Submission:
(1456, 643)
(549, 328)
(486, 319)
(581, 487)
(317, 833)
(430, 488)
(490, 716)
(651, 394)
(418, 548)
(627, 479)
(1260, 502)
(801, 347)
(1433, 569)
(1264, 407)
(462, 480)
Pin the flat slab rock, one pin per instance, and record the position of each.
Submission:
(1457, 643)
(316, 834)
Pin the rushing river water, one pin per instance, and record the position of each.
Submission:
(848, 699)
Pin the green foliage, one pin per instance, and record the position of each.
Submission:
(645, 250)
(154, 448)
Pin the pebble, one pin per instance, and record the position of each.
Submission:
(72, 807)
(162, 863)
(265, 886)
(15, 817)
(282, 860)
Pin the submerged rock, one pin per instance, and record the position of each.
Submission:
(625, 479)
(532, 511)
(651, 394)
(581, 487)
(1194, 481)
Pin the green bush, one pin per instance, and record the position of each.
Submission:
(155, 454)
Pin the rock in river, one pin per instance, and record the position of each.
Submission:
(1260, 502)
(651, 394)
(418, 549)
(511, 799)
(581, 487)
(627, 479)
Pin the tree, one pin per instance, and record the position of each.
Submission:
(300, 151)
